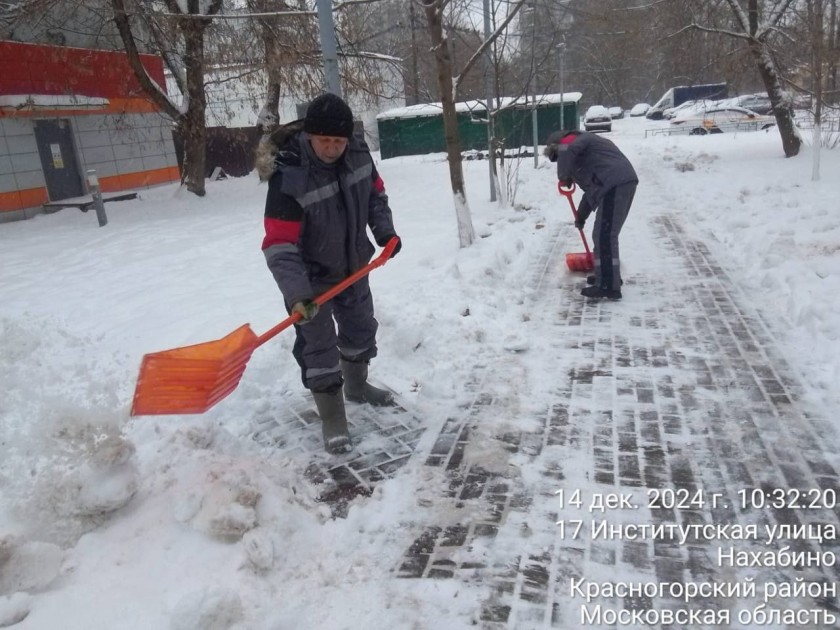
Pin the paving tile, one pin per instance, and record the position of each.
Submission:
(686, 393)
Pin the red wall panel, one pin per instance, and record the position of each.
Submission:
(56, 70)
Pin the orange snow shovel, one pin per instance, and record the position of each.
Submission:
(579, 261)
(192, 379)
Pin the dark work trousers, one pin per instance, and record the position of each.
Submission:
(317, 345)
(608, 223)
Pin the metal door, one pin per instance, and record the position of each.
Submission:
(58, 159)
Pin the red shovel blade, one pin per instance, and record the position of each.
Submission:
(580, 262)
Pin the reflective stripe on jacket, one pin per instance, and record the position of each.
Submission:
(317, 215)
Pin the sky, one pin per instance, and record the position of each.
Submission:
(213, 521)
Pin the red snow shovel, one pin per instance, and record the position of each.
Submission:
(192, 379)
(579, 261)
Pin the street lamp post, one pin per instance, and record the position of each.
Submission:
(328, 46)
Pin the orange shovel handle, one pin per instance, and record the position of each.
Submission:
(567, 193)
(326, 296)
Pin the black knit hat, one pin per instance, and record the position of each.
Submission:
(328, 115)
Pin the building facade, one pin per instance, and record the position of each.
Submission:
(64, 111)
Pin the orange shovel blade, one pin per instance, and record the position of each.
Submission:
(580, 262)
(192, 379)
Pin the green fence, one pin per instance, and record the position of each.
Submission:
(417, 134)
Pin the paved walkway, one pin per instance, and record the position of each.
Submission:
(680, 415)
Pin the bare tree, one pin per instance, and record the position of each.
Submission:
(525, 62)
(440, 49)
(813, 60)
(755, 23)
(449, 81)
(816, 21)
(190, 22)
(367, 70)
(398, 28)
(269, 28)
(268, 49)
(287, 63)
(76, 23)
(609, 48)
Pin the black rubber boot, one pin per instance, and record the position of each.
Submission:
(333, 422)
(592, 280)
(598, 293)
(357, 389)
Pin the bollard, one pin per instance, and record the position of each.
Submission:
(93, 186)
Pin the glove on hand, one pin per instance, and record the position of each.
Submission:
(307, 309)
(566, 183)
(383, 241)
(579, 223)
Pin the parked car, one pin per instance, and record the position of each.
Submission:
(597, 118)
(616, 113)
(719, 119)
(691, 106)
(759, 103)
(639, 109)
(680, 94)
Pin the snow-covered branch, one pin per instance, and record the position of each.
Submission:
(488, 42)
(266, 14)
(155, 92)
(740, 15)
(707, 29)
(778, 13)
(238, 16)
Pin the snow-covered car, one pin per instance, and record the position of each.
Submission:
(616, 112)
(758, 103)
(639, 109)
(694, 106)
(720, 119)
(597, 118)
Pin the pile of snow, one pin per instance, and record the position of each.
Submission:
(189, 523)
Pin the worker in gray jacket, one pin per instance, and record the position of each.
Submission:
(324, 192)
(608, 181)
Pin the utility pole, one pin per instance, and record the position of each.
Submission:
(328, 46)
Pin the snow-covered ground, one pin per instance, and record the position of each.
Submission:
(186, 522)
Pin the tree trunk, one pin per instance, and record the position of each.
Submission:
(815, 19)
(269, 116)
(193, 123)
(833, 51)
(190, 117)
(155, 92)
(414, 97)
(782, 109)
(443, 61)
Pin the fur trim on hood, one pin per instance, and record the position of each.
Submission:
(553, 142)
(276, 147)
